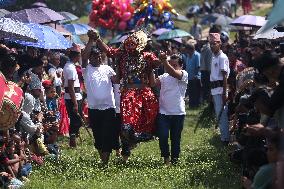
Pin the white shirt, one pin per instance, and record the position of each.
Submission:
(99, 89)
(219, 63)
(70, 73)
(172, 94)
(116, 89)
(53, 72)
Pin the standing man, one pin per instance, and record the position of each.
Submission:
(196, 30)
(72, 96)
(54, 72)
(100, 96)
(192, 63)
(205, 67)
(220, 71)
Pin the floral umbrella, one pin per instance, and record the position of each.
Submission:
(13, 29)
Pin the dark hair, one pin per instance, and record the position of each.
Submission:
(267, 60)
(36, 62)
(95, 51)
(179, 58)
(7, 62)
(73, 55)
(263, 44)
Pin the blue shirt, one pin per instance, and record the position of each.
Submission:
(51, 104)
(192, 65)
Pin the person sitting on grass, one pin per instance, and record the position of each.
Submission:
(171, 116)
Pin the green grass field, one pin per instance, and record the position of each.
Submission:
(204, 163)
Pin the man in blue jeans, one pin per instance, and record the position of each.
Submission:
(220, 71)
(171, 116)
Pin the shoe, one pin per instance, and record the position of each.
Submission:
(72, 141)
(167, 161)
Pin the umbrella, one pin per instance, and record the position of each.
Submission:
(76, 39)
(60, 29)
(118, 39)
(268, 34)
(276, 16)
(160, 31)
(215, 18)
(13, 29)
(115, 39)
(36, 15)
(48, 38)
(68, 17)
(3, 12)
(77, 29)
(177, 33)
(180, 17)
(38, 4)
(6, 3)
(249, 20)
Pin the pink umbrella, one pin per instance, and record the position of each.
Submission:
(249, 20)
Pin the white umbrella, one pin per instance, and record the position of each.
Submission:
(249, 20)
(268, 34)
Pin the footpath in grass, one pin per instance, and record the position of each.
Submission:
(204, 164)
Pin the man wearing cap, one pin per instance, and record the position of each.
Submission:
(218, 80)
(72, 96)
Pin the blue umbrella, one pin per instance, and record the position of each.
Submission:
(77, 29)
(6, 3)
(48, 38)
(68, 17)
(76, 39)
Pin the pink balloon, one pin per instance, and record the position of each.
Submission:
(122, 25)
(123, 7)
(126, 16)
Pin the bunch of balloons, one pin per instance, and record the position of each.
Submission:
(157, 12)
(111, 14)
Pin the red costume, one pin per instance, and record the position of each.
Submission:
(139, 105)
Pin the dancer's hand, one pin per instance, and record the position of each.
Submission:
(162, 56)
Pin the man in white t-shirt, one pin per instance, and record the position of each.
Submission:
(220, 71)
(72, 96)
(173, 86)
(100, 96)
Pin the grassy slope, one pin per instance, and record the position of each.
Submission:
(204, 164)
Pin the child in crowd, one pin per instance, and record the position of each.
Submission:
(171, 116)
